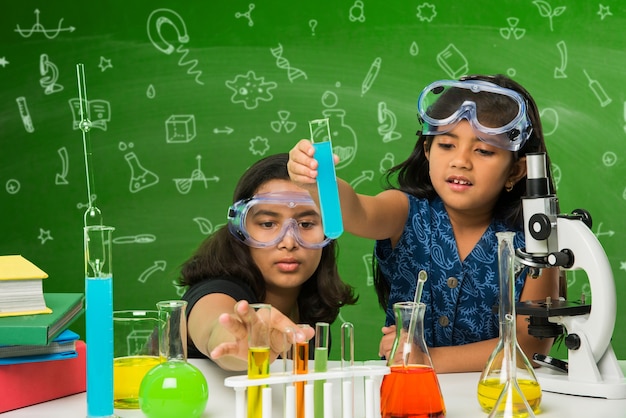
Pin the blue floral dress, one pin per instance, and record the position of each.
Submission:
(459, 295)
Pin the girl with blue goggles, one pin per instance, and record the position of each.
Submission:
(265, 219)
(497, 115)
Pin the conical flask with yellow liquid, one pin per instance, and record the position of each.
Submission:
(508, 386)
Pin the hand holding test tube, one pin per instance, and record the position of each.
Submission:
(326, 178)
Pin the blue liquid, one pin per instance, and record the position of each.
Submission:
(99, 330)
(328, 191)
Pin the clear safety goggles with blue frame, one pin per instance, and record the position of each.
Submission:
(507, 126)
(264, 220)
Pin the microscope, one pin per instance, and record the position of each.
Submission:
(567, 241)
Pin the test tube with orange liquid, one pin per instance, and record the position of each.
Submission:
(301, 366)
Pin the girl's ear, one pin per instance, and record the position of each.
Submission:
(518, 171)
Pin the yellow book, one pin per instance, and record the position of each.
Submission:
(21, 287)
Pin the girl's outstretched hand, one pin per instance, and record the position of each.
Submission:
(386, 342)
(238, 323)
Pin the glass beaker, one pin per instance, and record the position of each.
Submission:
(411, 368)
(507, 386)
(173, 388)
(135, 352)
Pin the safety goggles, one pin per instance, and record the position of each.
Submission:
(265, 219)
(497, 114)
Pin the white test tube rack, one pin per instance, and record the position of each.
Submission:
(372, 377)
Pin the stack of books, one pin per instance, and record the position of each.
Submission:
(21, 287)
(40, 357)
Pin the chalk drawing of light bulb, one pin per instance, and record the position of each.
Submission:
(343, 136)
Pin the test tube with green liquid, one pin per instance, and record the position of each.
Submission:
(321, 365)
(326, 178)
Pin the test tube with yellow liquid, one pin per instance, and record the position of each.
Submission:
(258, 357)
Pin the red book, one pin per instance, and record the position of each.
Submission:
(27, 384)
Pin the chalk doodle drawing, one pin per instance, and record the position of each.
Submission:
(157, 19)
(283, 63)
(259, 145)
(512, 30)
(27, 120)
(12, 186)
(104, 64)
(426, 12)
(545, 10)
(39, 28)
(49, 75)
(283, 123)
(250, 90)
(99, 110)
(44, 235)
(357, 12)
(183, 185)
(559, 72)
(247, 15)
(344, 138)
(65, 166)
(387, 123)
(140, 177)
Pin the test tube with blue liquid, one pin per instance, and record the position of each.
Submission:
(99, 320)
(326, 178)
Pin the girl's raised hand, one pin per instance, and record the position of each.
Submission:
(302, 166)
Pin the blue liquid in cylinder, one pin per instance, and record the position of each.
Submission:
(327, 189)
(99, 331)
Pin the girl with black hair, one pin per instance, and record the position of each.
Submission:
(462, 183)
(273, 250)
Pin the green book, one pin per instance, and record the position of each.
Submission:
(41, 329)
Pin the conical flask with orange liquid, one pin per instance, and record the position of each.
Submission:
(411, 389)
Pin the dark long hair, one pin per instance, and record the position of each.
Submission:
(411, 176)
(223, 255)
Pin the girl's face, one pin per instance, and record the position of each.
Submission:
(469, 174)
(286, 265)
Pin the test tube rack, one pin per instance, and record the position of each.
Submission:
(348, 378)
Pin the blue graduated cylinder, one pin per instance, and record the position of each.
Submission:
(327, 189)
(99, 330)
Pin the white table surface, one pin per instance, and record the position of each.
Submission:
(459, 392)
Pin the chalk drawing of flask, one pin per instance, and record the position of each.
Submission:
(344, 137)
(140, 178)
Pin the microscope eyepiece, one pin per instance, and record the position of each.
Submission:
(537, 184)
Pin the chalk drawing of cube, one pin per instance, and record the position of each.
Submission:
(180, 128)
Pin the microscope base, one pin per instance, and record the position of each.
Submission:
(556, 382)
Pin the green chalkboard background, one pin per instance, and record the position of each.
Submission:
(185, 95)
